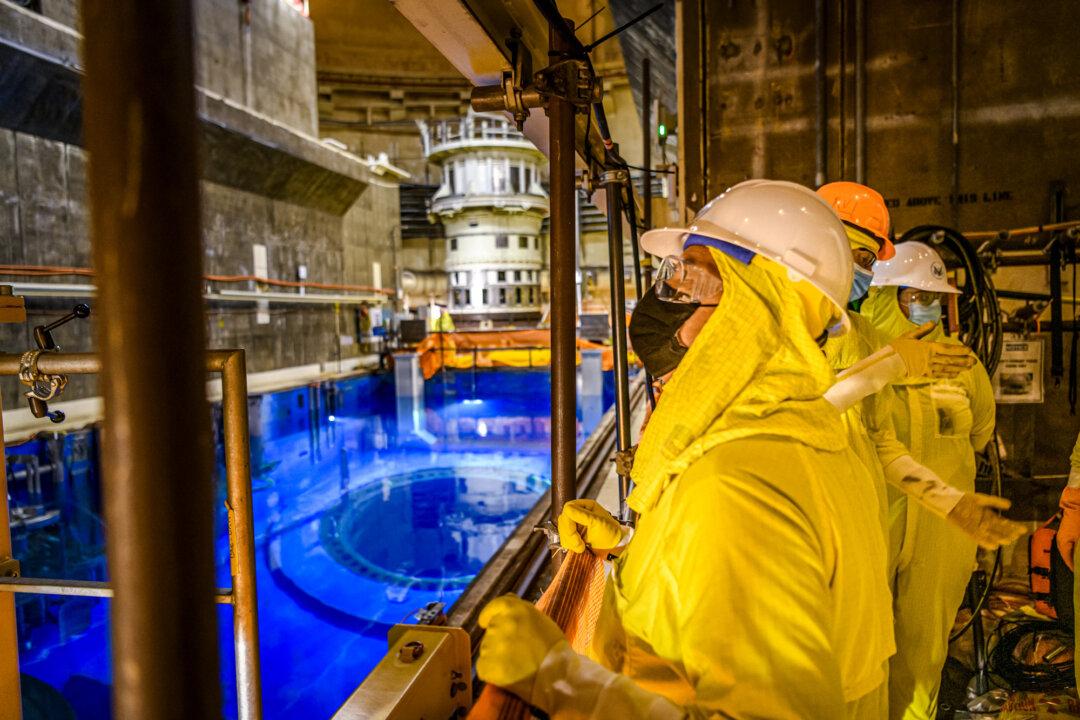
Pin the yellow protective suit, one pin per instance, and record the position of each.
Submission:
(754, 585)
(842, 352)
(943, 423)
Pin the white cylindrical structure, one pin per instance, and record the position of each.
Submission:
(491, 204)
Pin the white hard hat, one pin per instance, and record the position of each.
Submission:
(915, 265)
(782, 221)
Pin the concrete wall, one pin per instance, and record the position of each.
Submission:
(1019, 109)
(44, 217)
(275, 78)
(1017, 127)
(43, 221)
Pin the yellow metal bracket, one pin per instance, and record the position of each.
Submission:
(426, 674)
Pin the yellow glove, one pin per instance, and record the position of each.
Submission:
(586, 523)
(925, 358)
(517, 640)
(976, 514)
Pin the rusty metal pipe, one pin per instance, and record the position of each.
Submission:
(821, 88)
(646, 152)
(563, 295)
(860, 91)
(90, 363)
(142, 138)
(234, 410)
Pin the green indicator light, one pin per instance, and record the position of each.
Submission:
(661, 130)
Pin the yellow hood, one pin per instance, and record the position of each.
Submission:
(753, 371)
(859, 343)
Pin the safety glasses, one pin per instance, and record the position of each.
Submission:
(864, 258)
(680, 281)
(920, 297)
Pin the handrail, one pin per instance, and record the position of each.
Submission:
(61, 270)
(243, 595)
(79, 588)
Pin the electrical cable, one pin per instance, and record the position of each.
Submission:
(994, 460)
(979, 312)
(1025, 637)
(980, 329)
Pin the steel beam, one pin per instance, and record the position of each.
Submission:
(613, 182)
(646, 160)
(563, 296)
(691, 81)
(142, 139)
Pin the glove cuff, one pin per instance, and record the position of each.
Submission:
(1070, 498)
(923, 484)
(571, 685)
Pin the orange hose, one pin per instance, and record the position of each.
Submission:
(46, 270)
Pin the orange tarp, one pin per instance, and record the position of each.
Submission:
(506, 348)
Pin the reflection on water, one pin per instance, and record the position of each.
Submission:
(366, 509)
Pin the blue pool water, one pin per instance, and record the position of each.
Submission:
(366, 509)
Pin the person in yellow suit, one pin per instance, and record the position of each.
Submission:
(754, 583)
(943, 423)
(868, 357)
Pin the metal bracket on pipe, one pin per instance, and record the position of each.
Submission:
(520, 89)
(609, 177)
(10, 568)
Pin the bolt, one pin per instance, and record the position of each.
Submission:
(410, 651)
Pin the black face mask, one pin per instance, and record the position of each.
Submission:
(653, 325)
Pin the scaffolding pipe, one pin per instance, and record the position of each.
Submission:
(563, 297)
(76, 588)
(821, 117)
(242, 595)
(860, 91)
(613, 182)
(646, 159)
(10, 689)
(142, 140)
(241, 535)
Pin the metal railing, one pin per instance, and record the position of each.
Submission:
(242, 596)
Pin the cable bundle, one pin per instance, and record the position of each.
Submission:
(1034, 655)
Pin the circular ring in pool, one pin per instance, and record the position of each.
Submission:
(429, 529)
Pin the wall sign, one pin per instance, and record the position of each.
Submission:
(1019, 375)
(964, 198)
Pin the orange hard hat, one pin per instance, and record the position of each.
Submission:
(864, 209)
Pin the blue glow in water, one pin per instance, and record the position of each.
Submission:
(366, 509)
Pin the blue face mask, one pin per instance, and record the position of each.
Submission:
(920, 314)
(860, 284)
